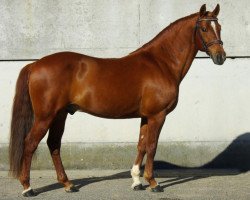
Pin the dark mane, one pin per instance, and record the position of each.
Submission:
(169, 27)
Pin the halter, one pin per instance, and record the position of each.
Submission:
(204, 44)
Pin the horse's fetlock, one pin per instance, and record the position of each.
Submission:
(25, 181)
(146, 176)
(62, 179)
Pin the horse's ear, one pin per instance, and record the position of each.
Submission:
(203, 10)
(216, 10)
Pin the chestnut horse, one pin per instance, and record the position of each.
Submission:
(143, 84)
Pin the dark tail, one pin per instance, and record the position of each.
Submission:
(21, 122)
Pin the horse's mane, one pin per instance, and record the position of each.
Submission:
(168, 28)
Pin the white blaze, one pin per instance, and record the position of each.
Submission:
(214, 27)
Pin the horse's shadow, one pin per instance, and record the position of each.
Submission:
(235, 156)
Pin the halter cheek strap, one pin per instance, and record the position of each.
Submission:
(204, 44)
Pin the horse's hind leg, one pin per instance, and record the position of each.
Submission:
(54, 144)
(135, 171)
(31, 142)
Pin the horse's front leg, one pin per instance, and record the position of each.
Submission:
(155, 124)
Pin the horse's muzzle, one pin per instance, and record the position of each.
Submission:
(219, 58)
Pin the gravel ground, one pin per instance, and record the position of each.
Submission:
(115, 184)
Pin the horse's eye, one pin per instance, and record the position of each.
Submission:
(204, 29)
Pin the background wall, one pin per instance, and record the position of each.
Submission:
(213, 109)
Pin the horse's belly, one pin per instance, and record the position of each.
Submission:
(109, 104)
(113, 111)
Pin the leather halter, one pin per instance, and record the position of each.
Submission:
(204, 44)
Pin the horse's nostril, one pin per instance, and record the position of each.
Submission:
(220, 58)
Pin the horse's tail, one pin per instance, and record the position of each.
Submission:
(21, 122)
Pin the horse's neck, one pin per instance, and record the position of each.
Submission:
(174, 48)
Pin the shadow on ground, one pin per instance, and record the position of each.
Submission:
(232, 161)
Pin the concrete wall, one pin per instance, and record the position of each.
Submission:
(32, 29)
(214, 101)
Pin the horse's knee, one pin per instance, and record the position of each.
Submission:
(151, 149)
(141, 149)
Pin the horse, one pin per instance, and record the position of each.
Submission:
(143, 84)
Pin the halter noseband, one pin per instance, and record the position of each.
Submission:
(204, 44)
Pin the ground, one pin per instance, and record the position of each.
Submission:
(115, 184)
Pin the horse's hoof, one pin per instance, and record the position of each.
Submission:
(71, 189)
(138, 187)
(29, 193)
(158, 188)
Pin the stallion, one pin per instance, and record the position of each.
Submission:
(144, 84)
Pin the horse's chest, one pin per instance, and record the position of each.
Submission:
(157, 100)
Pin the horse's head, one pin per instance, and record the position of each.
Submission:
(207, 35)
